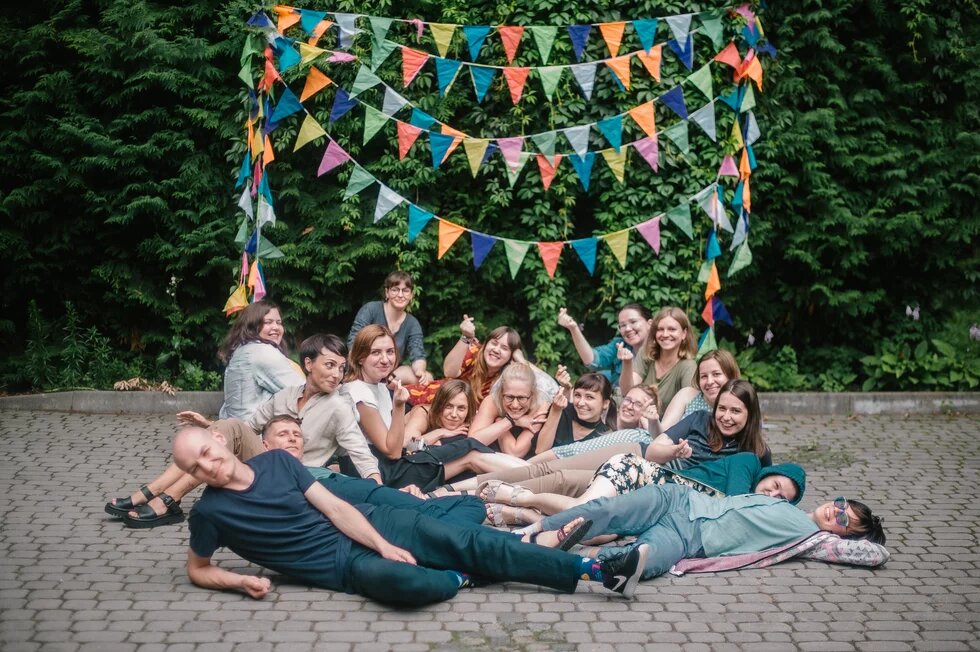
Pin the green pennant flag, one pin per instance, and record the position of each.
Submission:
(705, 272)
(546, 142)
(245, 74)
(708, 343)
(701, 80)
(359, 180)
(379, 29)
(743, 258)
(268, 250)
(748, 102)
(515, 255)
(380, 53)
(251, 47)
(544, 38)
(365, 79)
(711, 21)
(242, 236)
(550, 76)
(374, 120)
(516, 172)
(677, 134)
(681, 217)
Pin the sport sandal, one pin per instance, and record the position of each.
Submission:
(147, 518)
(122, 506)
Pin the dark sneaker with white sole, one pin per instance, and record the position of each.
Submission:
(622, 574)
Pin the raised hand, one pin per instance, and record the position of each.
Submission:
(623, 353)
(682, 450)
(189, 418)
(563, 377)
(467, 327)
(650, 415)
(565, 320)
(399, 394)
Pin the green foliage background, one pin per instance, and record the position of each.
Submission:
(123, 133)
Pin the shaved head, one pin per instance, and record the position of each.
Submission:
(203, 455)
(187, 443)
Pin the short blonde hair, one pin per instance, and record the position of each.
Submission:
(518, 372)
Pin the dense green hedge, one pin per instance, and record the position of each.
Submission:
(122, 137)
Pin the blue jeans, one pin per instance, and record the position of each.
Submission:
(655, 514)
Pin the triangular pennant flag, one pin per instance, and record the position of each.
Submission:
(237, 301)
(701, 80)
(458, 137)
(550, 253)
(446, 70)
(516, 251)
(516, 78)
(705, 271)
(439, 143)
(643, 116)
(482, 78)
(359, 180)
(646, 31)
(586, 250)
(261, 20)
(730, 56)
(374, 120)
(619, 243)
(677, 134)
(616, 162)
(705, 118)
(245, 74)
(511, 150)
(379, 29)
(747, 195)
(612, 34)
(578, 138)
(448, 234)
(708, 315)
(754, 72)
(268, 156)
(728, 168)
(315, 82)
(651, 61)
(332, 157)
(266, 214)
(475, 35)
(674, 100)
(711, 21)
(253, 46)
(309, 52)
(681, 217)
(752, 132)
(407, 135)
(748, 101)
(650, 230)
(679, 26)
(288, 105)
(744, 167)
(442, 34)
(544, 38)
(545, 142)
(319, 30)
(736, 137)
(288, 57)
(579, 34)
(550, 76)
(309, 130)
(583, 167)
(481, 244)
(475, 149)
(649, 150)
(417, 219)
(510, 36)
(412, 62)
(707, 343)
(310, 19)
(734, 98)
(244, 171)
(684, 51)
(393, 102)
(714, 283)
(620, 67)
(740, 234)
(365, 80)
(245, 202)
(712, 249)
(261, 247)
(612, 129)
(585, 76)
(388, 200)
(421, 119)
(546, 168)
(737, 198)
(513, 174)
(743, 258)
(719, 311)
(348, 29)
(381, 51)
(342, 103)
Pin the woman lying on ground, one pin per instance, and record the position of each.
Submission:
(392, 313)
(667, 359)
(634, 326)
(510, 504)
(714, 369)
(256, 357)
(590, 413)
(511, 417)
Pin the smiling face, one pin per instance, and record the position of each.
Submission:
(284, 435)
(497, 353)
(399, 295)
(633, 328)
(670, 334)
(272, 330)
(204, 456)
(632, 407)
(455, 412)
(589, 405)
(325, 372)
(826, 518)
(711, 378)
(777, 486)
(516, 397)
(380, 360)
(730, 415)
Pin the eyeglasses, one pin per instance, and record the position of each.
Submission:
(840, 504)
(395, 290)
(628, 402)
(513, 398)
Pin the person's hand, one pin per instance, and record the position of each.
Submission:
(189, 418)
(399, 394)
(529, 421)
(425, 377)
(650, 415)
(565, 320)
(518, 356)
(623, 353)
(255, 587)
(394, 553)
(681, 450)
(560, 400)
(563, 377)
(414, 491)
(467, 328)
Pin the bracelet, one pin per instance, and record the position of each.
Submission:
(466, 340)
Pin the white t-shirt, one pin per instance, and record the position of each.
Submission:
(375, 396)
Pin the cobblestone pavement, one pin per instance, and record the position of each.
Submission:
(72, 579)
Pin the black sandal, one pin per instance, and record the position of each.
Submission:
(567, 539)
(147, 518)
(123, 506)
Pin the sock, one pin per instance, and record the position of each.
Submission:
(590, 570)
(464, 579)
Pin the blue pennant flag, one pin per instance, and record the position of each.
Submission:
(713, 249)
(580, 37)
(446, 70)
(417, 219)
(685, 53)
(583, 167)
(288, 105)
(674, 100)
(482, 244)
(252, 243)
(440, 144)
(264, 188)
(288, 56)
(612, 129)
(342, 103)
(491, 148)
(719, 311)
(646, 30)
(261, 20)
(475, 35)
(751, 35)
(421, 119)
(767, 48)
(751, 155)
(586, 249)
(482, 78)
(734, 99)
(245, 170)
(737, 199)
(310, 19)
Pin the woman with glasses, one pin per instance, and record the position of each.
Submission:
(511, 417)
(634, 326)
(392, 313)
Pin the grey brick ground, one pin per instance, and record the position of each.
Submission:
(72, 579)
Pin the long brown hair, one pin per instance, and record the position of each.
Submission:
(246, 329)
(749, 438)
(687, 349)
(480, 372)
(361, 348)
(447, 392)
(724, 359)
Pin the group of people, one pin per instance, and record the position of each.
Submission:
(356, 470)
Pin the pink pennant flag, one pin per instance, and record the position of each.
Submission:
(728, 167)
(650, 230)
(547, 169)
(650, 152)
(516, 77)
(341, 57)
(407, 135)
(241, 278)
(511, 150)
(332, 157)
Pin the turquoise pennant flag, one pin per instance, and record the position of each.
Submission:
(417, 219)
(288, 57)
(482, 78)
(310, 19)
(440, 144)
(446, 70)
(475, 35)
(244, 171)
(288, 105)
(583, 167)
(712, 250)
(482, 244)
(421, 119)
(586, 249)
(612, 129)
(646, 30)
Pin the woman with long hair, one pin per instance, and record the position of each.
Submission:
(714, 369)
(667, 360)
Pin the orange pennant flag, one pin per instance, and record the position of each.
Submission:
(730, 56)
(744, 169)
(643, 116)
(754, 72)
(746, 196)
(271, 75)
(612, 34)
(621, 66)
(407, 135)
(316, 81)
(516, 77)
(287, 18)
(459, 136)
(268, 156)
(651, 61)
(547, 169)
(511, 38)
(412, 62)
(550, 253)
(319, 31)
(448, 234)
(253, 146)
(714, 283)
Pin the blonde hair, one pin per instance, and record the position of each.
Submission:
(517, 372)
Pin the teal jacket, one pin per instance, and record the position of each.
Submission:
(740, 473)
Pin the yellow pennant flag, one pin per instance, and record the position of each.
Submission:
(448, 234)
(475, 149)
(737, 135)
(237, 301)
(310, 130)
(309, 52)
(616, 162)
(443, 35)
(619, 242)
(612, 34)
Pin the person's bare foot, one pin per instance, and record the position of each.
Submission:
(499, 515)
(564, 537)
(156, 504)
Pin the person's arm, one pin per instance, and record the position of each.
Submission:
(391, 440)
(628, 378)
(352, 523)
(452, 365)
(672, 444)
(414, 342)
(273, 371)
(203, 573)
(262, 415)
(582, 346)
(675, 411)
(518, 446)
(486, 416)
(363, 317)
(351, 439)
(546, 438)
